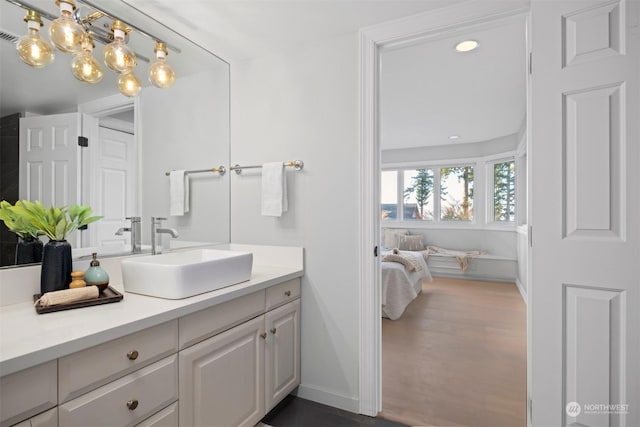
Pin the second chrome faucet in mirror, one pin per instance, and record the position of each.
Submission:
(136, 234)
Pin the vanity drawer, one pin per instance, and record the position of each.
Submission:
(213, 320)
(283, 293)
(88, 369)
(126, 401)
(27, 393)
(168, 417)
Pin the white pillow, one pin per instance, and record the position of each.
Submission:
(410, 243)
(389, 236)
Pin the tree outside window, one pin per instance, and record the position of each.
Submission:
(456, 193)
(504, 191)
(418, 194)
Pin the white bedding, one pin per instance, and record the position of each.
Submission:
(400, 286)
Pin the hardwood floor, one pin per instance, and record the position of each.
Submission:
(457, 357)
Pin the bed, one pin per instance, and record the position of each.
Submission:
(401, 286)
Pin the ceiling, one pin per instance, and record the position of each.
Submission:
(242, 29)
(430, 92)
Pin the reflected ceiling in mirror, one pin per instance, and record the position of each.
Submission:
(54, 88)
(185, 126)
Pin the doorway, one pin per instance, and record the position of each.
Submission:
(373, 42)
(452, 131)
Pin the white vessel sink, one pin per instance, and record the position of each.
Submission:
(183, 274)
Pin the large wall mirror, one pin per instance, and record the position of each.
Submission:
(133, 142)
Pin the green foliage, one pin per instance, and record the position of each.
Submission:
(15, 222)
(459, 211)
(55, 223)
(422, 186)
(504, 181)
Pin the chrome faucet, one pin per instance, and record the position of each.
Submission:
(156, 229)
(136, 235)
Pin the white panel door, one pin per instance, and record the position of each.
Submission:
(50, 161)
(114, 184)
(585, 295)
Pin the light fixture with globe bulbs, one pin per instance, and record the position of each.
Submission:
(84, 66)
(32, 49)
(160, 73)
(74, 32)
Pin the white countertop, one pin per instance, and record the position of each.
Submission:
(28, 339)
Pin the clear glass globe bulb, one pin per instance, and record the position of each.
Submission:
(33, 50)
(118, 56)
(129, 85)
(65, 33)
(86, 69)
(161, 74)
(84, 66)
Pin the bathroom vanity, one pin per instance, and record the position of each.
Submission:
(222, 358)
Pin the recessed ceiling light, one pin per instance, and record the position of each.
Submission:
(467, 45)
(454, 137)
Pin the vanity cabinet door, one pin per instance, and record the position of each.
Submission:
(282, 353)
(222, 378)
(29, 392)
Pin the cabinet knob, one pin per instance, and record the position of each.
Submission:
(273, 331)
(287, 293)
(263, 335)
(132, 355)
(132, 404)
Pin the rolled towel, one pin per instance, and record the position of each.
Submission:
(67, 295)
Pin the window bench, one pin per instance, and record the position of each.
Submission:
(483, 267)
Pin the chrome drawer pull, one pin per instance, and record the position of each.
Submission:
(132, 404)
(132, 355)
(287, 293)
(273, 331)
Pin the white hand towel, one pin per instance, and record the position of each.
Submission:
(274, 189)
(178, 193)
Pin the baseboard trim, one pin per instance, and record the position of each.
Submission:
(327, 397)
(521, 288)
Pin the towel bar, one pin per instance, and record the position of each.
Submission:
(297, 164)
(220, 169)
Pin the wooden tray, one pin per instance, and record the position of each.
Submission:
(109, 295)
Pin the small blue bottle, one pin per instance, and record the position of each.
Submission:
(96, 275)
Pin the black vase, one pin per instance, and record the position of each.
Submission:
(56, 266)
(28, 250)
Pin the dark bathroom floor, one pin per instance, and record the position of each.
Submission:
(296, 412)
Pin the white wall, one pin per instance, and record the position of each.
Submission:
(304, 105)
(502, 144)
(173, 122)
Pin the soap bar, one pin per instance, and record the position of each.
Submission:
(67, 295)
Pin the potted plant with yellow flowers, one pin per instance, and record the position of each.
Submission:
(56, 224)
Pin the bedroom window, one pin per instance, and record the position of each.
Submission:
(456, 193)
(504, 191)
(418, 195)
(389, 195)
